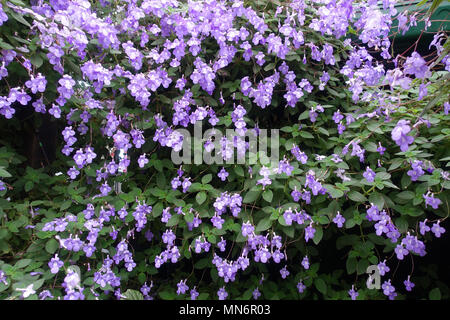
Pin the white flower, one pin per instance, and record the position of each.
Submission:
(72, 280)
(28, 291)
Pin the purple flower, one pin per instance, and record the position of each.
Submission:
(262, 255)
(353, 293)
(284, 272)
(299, 155)
(337, 116)
(301, 287)
(73, 173)
(222, 244)
(168, 237)
(288, 216)
(296, 194)
(3, 16)
(247, 229)
(369, 174)
(309, 232)
(194, 294)
(437, 229)
(305, 263)
(417, 66)
(45, 294)
(223, 174)
(37, 84)
(388, 288)
(256, 294)
(400, 251)
(260, 58)
(145, 289)
(55, 111)
(222, 293)
(430, 200)
(133, 54)
(55, 264)
(186, 184)
(285, 167)
(423, 91)
(105, 189)
(339, 220)
(408, 284)
(277, 256)
(416, 170)
(399, 135)
(383, 268)
(142, 161)
(381, 149)
(165, 217)
(66, 84)
(182, 287)
(175, 182)
(217, 221)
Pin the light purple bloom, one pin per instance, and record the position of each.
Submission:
(399, 135)
(222, 293)
(353, 293)
(339, 220)
(437, 229)
(369, 174)
(223, 174)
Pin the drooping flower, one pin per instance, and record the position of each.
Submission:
(353, 293)
(399, 135)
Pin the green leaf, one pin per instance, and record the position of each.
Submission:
(3, 233)
(377, 199)
(20, 18)
(202, 263)
(239, 171)
(397, 162)
(28, 186)
(306, 135)
(189, 217)
(263, 224)
(405, 195)
(268, 195)
(66, 204)
(361, 266)
(251, 196)
(320, 285)
(200, 197)
(132, 295)
(4, 173)
(356, 196)
(207, 178)
(165, 295)
(318, 235)
(270, 66)
(51, 246)
(5, 45)
(435, 294)
(334, 192)
(22, 263)
(351, 265)
(36, 60)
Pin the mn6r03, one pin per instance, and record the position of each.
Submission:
(247, 309)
